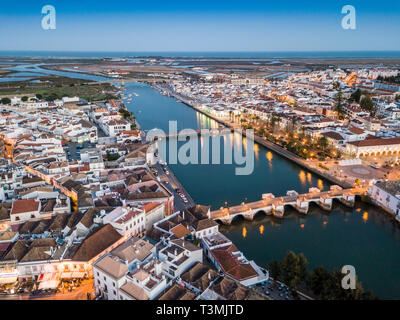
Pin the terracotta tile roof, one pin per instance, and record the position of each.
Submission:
(333, 135)
(176, 292)
(376, 142)
(96, 243)
(112, 266)
(134, 291)
(180, 231)
(356, 130)
(231, 265)
(25, 205)
(150, 206)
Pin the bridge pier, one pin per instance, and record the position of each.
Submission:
(348, 200)
(325, 203)
(302, 206)
(226, 221)
(278, 210)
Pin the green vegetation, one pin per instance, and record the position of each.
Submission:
(356, 96)
(51, 88)
(339, 105)
(5, 101)
(112, 156)
(126, 114)
(394, 79)
(367, 104)
(292, 270)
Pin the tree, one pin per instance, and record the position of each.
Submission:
(24, 98)
(339, 105)
(5, 101)
(355, 96)
(317, 282)
(367, 104)
(294, 269)
(39, 96)
(275, 269)
(273, 121)
(323, 143)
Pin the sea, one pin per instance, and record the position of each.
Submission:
(209, 54)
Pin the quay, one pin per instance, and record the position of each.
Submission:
(270, 205)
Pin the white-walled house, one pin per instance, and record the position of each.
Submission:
(24, 210)
(387, 195)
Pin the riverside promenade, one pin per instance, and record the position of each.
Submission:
(262, 141)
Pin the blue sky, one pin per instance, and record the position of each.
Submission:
(306, 25)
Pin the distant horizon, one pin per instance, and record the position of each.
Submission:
(240, 54)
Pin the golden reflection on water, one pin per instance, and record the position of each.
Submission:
(244, 141)
(269, 156)
(320, 184)
(302, 226)
(244, 232)
(365, 216)
(302, 177)
(309, 178)
(256, 151)
(261, 229)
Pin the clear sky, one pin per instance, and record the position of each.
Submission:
(205, 25)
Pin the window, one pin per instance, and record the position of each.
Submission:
(104, 278)
(98, 274)
(114, 284)
(114, 293)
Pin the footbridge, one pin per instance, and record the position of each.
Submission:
(271, 205)
(155, 134)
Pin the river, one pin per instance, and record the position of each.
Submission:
(364, 237)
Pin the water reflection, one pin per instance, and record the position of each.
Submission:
(302, 176)
(261, 229)
(320, 184)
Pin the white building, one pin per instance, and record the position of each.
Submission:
(178, 256)
(127, 220)
(24, 210)
(387, 195)
(129, 272)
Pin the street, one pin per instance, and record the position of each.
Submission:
(172, 184)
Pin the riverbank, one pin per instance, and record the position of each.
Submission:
(261, 141)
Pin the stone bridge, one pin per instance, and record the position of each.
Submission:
(270, 205)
